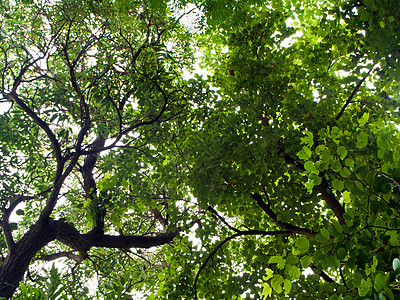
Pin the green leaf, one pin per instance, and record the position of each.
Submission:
(346, 197)
(266, 290)
(389, 293)
(381, 185)
(362, 140)
(302, 244)
(305, 153)
(279, 260)
(364, 288)
(287, 285)
(345, 172)
(325, 233)
(338, 184)
(342, 152)
(336, 166)
(276, 283)
(294, 272)
(381, 280)
(341, 253)
(349, 162)
(308, 139)
(305, 261)
(382, 142)
(269, 274)
(394, 239)
(363, 119)
(309, 165)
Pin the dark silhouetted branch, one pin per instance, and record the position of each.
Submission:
(69, 254)
(321, 274)
(285, 226)
(352, 95)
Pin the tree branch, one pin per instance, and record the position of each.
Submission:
(331, 200)
(352, 95)
(5, 224)
(89, 184)
(127, 130)
(47, 210)
(158, 216)
(13, 96)
(324, 188)
(213, 211)
(283, 225)
(67, 254)
(67, 234)
(219, 246)
(321, 274)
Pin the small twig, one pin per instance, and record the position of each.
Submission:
(343, 279)
(388, 177)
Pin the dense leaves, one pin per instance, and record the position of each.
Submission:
(275, 176)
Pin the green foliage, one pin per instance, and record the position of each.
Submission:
(51, 288)
(285, 157)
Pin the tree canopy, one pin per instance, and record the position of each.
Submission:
(277, 175)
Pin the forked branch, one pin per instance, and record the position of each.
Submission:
(285, 226)
(219, 246)
(323, 187)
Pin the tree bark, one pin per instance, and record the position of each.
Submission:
(13, 268)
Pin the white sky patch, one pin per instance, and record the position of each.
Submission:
(187, 74)
(4, 107)
(290, 40)
(189, 16)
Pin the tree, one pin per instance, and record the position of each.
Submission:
(94, 89)
(297, 157)
(286, 158)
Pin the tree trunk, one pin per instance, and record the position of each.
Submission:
(15, 264)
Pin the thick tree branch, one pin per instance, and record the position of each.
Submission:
(65, 254)
(331, 200)
(285, 226)
(59, 177)
(5, 226)
(324, 188)
(67, 234)
(89, 183)
(158, 216)
(47, 230)
(52, 201)
(18, 259)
